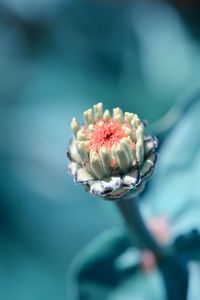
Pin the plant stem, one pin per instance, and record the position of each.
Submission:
(132, 216)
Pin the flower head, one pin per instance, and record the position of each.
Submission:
(111, 155)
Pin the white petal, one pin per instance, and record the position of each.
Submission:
(111, 183)
(83, 176)
(132, 178)
(73, 168)
(96, 187)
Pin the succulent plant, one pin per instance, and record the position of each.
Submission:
(110, 155)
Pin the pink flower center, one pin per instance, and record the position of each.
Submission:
(106, 134)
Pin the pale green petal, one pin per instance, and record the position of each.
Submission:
(148, 166)
(83, 176)
(106, 160)
(88, 116)
(73, 153)
(150, 144)
(140, 144)
(122, 157)
(98, 111)
(75, 126)
(106, 115)
(96, 165)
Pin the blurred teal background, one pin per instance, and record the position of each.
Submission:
(57, 58)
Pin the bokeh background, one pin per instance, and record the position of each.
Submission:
(57, 58)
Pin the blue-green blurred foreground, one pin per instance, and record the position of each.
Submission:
(57, 58)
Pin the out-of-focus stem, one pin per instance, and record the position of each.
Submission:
(132, 216)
